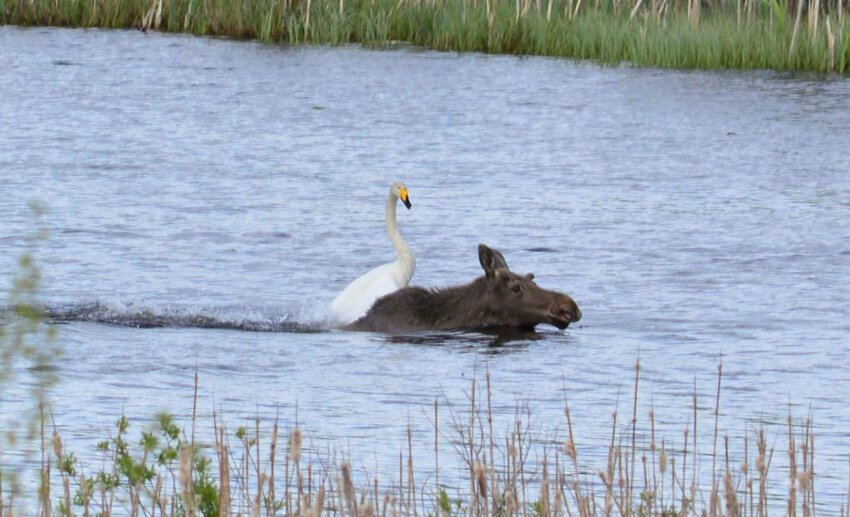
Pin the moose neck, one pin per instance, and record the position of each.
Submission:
(462, 306)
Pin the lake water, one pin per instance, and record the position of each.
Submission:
(692, 215)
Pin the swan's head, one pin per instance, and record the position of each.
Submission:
(399, 190)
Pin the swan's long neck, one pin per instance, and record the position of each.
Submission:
(405, 255)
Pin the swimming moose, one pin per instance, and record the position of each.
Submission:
(500, 298)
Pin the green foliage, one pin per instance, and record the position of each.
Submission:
(443, 502)
(28, 355)
(139, 472)
(205, 488)
(729, 34)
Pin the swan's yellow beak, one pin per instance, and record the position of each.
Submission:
(405, 198)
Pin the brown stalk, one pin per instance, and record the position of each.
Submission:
(411, 488)
(714, 483)
(631, 486)
(494, 487)
(684, 473)
(272, 452)
(436, 447)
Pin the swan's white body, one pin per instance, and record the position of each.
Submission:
(356, 299)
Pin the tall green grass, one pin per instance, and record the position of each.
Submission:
(707, 34)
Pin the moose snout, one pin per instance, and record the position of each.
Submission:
(566, 309)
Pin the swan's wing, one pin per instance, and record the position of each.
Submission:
(356, 299)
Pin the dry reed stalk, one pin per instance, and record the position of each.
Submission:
(543, 501)
(411, 482)
(578, 5)
(685, 473)
(471, 442)
(348, 489)
(745, 469)
(158, 17)
(812, 466)
(673, 484)
(631, 478)
(375, 494)
(400, 477)
(635, 9)
(761, 466)
(813, 16)
(511, 488)
(436, 448)
(187, 492)
(792, 469)
(652, 449)
(157, 501)
(188, 16)
(494, 484)
(481, 487)
(523, 456)
(272, 453)
(558, 490)
(572, 453)
(732, 508)
(307, 20)
(58, 451)
(287, 477)
(694, 477)
(830, 39)
(308, 497)
(694, 12)
(622, 477)
(793, 45)
(609, 477)
(802, 477)
(258, 465)
(714, 483)
(645, 477)
(224, 474)
(320, 501)
(194, 401)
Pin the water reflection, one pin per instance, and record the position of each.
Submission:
(493, 341)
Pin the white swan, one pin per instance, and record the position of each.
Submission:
(356, 299)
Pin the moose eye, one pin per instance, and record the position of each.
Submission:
(517, 288)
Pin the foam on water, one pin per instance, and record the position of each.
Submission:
(129, 314)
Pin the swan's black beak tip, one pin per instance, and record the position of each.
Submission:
(406, 202)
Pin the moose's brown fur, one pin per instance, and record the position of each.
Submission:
(500, 298)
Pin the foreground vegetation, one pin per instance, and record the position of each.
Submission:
(809, 35)
(164, 469)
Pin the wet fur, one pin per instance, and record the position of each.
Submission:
(500, 298)
(417, 308)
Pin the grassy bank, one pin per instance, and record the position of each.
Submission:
(811, 35)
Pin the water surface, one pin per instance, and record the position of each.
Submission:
(692, 215)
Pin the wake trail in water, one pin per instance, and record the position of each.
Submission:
(250, 319)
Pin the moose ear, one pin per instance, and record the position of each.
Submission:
(491, 260)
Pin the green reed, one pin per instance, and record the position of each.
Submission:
(705, 34)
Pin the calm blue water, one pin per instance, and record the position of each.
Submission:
(692, 216)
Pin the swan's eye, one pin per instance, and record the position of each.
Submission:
(517, 288)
